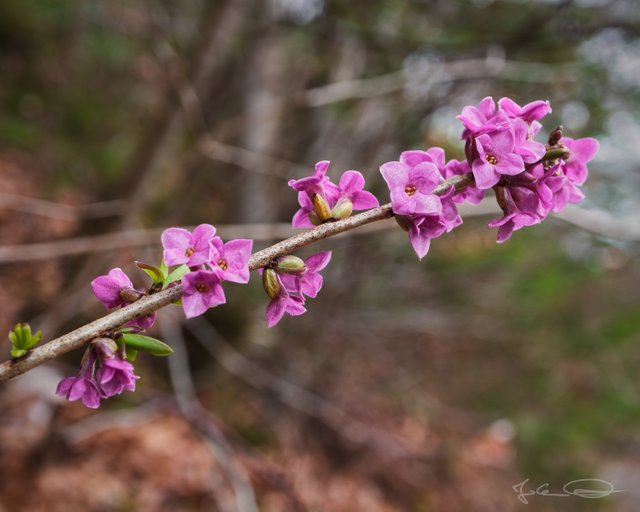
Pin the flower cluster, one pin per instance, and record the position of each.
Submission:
(103, 373)
(321, 200)
(288, 281)
(530, 179)
(210, 262)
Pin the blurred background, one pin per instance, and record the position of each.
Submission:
(408, 386)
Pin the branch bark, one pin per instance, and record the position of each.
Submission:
(77, 338)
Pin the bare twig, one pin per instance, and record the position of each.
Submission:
(203, 422)
(36, 206)
(296, 397)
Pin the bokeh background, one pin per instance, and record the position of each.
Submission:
(408, 386)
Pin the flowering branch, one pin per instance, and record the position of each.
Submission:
(147, 305)
(530, 180)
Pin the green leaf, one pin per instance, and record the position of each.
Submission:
(146, 344)
(157, 274)
(177, 274)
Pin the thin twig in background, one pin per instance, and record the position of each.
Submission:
(44, 208)
(297, 397)
(204, 422)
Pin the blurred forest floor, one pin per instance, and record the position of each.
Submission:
(408, 386)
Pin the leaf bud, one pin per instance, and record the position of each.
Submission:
(271, 282)
(130, 295)
(290, 264)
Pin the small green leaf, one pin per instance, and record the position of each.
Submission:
(146, 344)
(157, 274)
(177, 274)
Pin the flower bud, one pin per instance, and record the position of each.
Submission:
(105, 347)
(322, 207)
(555, 136)
(290, 264)
(130, 295)
(342, 210)
(271, 282)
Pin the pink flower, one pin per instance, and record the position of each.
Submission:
(351, 188)
(83, 387)
(192, 249)
(582, 152)
(411, 187)
(233, 259)
(202, 290)
(496, 158)
(331, 200)
(471, 193)
(284, 302)
(116, 290)
(107, 288)
(116, 375)
(308, 282)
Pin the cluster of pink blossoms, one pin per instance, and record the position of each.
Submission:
(530, 179)
(104, 372)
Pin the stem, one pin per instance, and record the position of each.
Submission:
(78, 337)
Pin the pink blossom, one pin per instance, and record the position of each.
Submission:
(308, 282)
(115, 376)
(411, 187)
(202, 290)
(233, 259)
(183, 247)
(107, 288)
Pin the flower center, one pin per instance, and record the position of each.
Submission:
(202, 288)
(492, 159)
(410, 190)
(222, 263)
(189, 252)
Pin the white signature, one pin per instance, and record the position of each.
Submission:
(583, 488)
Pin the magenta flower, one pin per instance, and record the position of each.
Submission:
(582, 152)
(143, 322)
(411, 187)
(318, 183)
(471, 193)
(107, 288)
(351, 187)
(202, 290)
(531, 112)
(284, 302)
(116, 375)
(496, 158)
(193, 249)
(308, 282)
(484, 118)
(233, 259)
(414, 157)
(530, 150)
(83, 387)
(336, 201)
(423, 229)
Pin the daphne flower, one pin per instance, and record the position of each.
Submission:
(308, 282)
(351, 188)
(183, 247)
(202, 290)
(108, 288)
(411, 187)
(233, 259)
(496, 158)
(115, 376)
(83, 387)
(582, 151)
